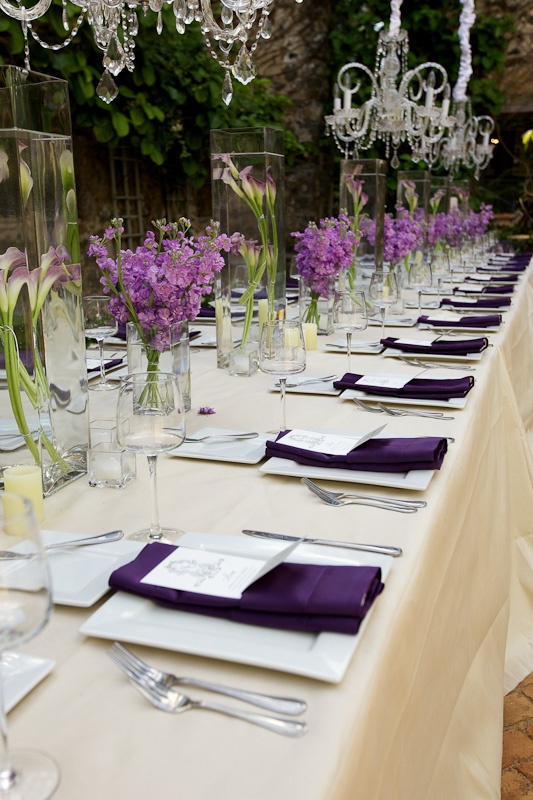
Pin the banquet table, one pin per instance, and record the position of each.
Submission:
(418, 712)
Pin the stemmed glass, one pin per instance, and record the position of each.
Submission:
(383, 291)
(350, 315)
(151, 420)
(25, 607)
(440, 268)
(420, 278)
(282, 353)
(99, 323)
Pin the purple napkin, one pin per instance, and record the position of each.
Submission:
(26, 356)
(107, 364)
(501, 288)
(303, 597)
(493, 279)
(206, 312)
(376, 455)
(416, 388)
(458, 347)
(483, 302)
(479, 321)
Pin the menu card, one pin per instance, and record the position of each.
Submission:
(216, 574)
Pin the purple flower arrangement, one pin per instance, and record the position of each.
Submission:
(164, 279)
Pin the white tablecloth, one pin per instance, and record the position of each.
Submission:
(419, 711)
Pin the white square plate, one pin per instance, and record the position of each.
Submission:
(394, 322)
(80, 575)
(454, 402)
(324, 656)
(358, 347)
(416, 479)
(20, 674)
(463, 328)
(240, 451)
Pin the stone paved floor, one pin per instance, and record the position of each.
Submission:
(517, 765)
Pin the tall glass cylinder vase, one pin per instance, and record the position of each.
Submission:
(42, 342)
(362, 196)
(162, 351)
(417, 180)
(247, 176)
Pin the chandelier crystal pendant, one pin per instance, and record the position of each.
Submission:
(232, 30)
(402, 105)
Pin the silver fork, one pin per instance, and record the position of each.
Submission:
(137, 669)
(375, 502)
(366, 406)
(175, 702)
(400, 412)
(339, 495)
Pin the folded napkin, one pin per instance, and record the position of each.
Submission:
(303, 597)
(108, 364)
(478, 321)
(121, 331)
(458, 347)
(483, 302)
(376, 455)
(492, 278)
(416, 388)
(206, 312)
(501, 288)
(513, 265)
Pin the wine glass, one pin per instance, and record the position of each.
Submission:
(282, 353)
(25, 607)
(420, 278)
(383, 291)
(151, 420)
(440, 268)
(350, 315)
(99, 323)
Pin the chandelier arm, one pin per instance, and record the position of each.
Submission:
(214, 28)
(26, 14)
(346, 86)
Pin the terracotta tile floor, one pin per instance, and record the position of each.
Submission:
(517, 765)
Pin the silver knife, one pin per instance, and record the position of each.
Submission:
(369, 548)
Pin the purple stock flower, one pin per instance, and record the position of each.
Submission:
(324, 250)
(164, 279)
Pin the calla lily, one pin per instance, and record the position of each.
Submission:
(271, 190)
(66, 167)
(254, 190)
(11, 260)
(230, 181)
(231, 166)
(250, 252)
(26, 181)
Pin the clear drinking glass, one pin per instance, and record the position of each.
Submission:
(420, 278)
(25, 607)
(151, 420)
(282, 353)
(350, 315)
(382, 292)
(440, 268)
(99, 323)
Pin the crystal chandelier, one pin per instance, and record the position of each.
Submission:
(403, 105)
(467, 142)
(232, 30)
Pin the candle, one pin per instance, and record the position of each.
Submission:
(26, 481)
(262, 313)
(347, 99)
(485, 139)
(385, 293)
(337, 105)
(310, 335)
(292, 337)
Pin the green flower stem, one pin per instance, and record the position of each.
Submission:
(311, 313)
(12, 362)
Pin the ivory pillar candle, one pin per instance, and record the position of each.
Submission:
(262, 312)
(310, 335)
(26, 481)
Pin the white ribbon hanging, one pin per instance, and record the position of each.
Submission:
(466, 20)
(395, 17)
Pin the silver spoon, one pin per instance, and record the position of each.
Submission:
(324, 379)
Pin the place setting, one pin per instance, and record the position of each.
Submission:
(216, 620)
(437, 347)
